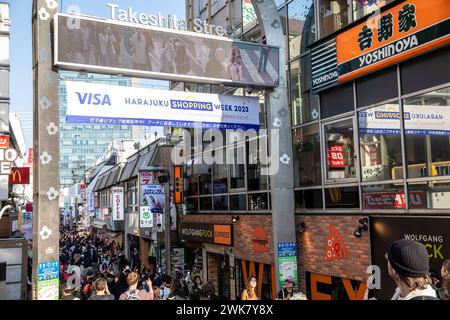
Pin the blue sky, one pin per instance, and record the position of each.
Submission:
(21, 79)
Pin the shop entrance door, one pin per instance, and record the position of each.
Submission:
(219, 274)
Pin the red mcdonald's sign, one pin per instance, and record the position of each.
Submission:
(19, 176)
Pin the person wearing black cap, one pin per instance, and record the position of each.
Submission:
(408, 266)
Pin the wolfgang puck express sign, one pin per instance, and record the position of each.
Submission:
(433, 232)
(207, 233)
(406, 30)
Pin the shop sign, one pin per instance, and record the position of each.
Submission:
(146, 177)
(48, 280)
(419, 120)
(411, 28)
(117, 203)
(336, 155)
(19, 176)
(164, 53)
(152, 204)
(335, 246)
(394, 200)
(116, 105)
(433, 232)
(287, 262)
(326, 287)
(7, 156)
(207, 233)
(260, 240)
(4, 142)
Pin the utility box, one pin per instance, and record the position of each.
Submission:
(13, 268)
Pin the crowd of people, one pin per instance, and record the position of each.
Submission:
(94, 268)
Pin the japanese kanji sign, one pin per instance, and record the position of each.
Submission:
(408, 29)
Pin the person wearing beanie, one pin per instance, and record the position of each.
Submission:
(408, 266)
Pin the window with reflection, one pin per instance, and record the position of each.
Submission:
(333, 15)
(205, 203)
(238, 202)
(362, 8)
(220, 178)
(385, 196)
(380, 143)
(221, 203)
(301, 24)
(429, 195)
(258, 201)
(342, 197)
(427, 134)
(237, 169)
(308, 199)
(340, 150)
(307, 151)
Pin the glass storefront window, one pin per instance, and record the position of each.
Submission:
(308, 199)
(365, 7)
(429, 195)
(333, 15)
(221, 203)
(237, 169)
(220, 180)
(192, 204)
(299, 12)
(255, 181)
(307, 150)
(304, 103)
(380, 143)
(258, 201)
(427, 134)
(205, 178)
(384, 196)
(205, 204)
(340, 150)
(342, 198)
(238, 202)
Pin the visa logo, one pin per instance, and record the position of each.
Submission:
(93, 98)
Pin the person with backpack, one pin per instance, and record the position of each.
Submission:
(408, 265)
(133, 293)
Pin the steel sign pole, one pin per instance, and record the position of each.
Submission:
(46, 146)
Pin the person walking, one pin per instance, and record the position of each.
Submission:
(408, 266)
(288, 291)
(101, 290)
(133, 293)
(197, 288)
(444, 290)
(249, 293)
(210, 291)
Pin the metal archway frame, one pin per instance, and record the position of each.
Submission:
(46, 140)
(279, 118)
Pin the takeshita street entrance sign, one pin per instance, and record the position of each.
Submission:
(114, 47)
(189, 57)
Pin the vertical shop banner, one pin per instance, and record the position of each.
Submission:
(117, 204)
(433, 232)
(336, 155)
(287, 262)
(90, 202)
(48, 280)
(152, 200)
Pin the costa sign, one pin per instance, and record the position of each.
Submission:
(394, 200)
(117, 204)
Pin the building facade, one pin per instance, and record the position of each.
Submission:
(358, 167)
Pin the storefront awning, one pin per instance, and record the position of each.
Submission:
(128, 170)
(113, 234)
(98, 224)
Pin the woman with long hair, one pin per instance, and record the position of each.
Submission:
(444, 291)
(249, 292)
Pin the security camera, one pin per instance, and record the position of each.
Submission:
(249, 90)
